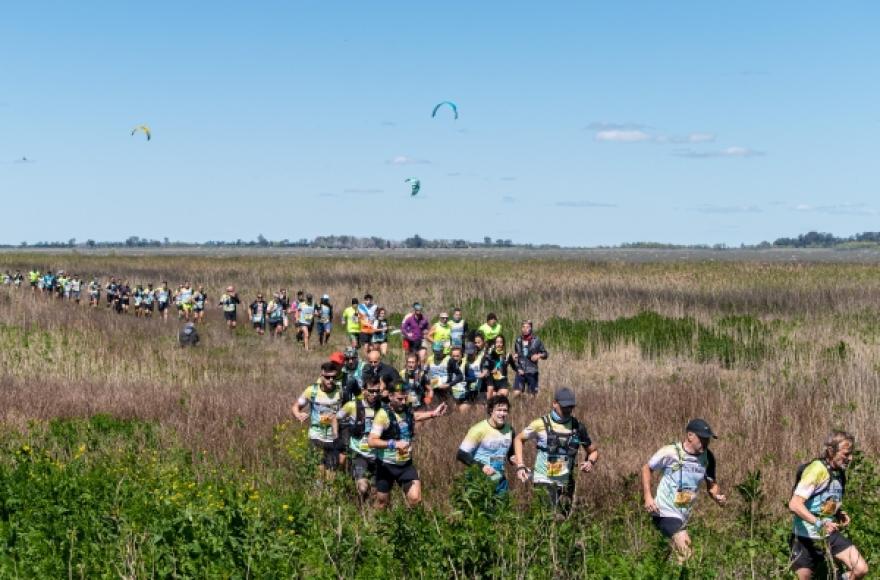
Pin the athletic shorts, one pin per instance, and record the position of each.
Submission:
(260, 324)
(163, 306)
(527, 382)
(328, 452)
(558, 496)
(148, 307)
(668, 526)
(198, 308)
(301, 325)
(364, 338)
(230, 316)
(325, 327)
(355, 337)
(809, 553)
(469, 396)
(111, 298)
(275, 323)
(387, 475)
(363, 467)
(75, 294)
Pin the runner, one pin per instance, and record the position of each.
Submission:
(284, 299)
(380, 332)
(463, 382)
(358, 415)
(325, 320)
(18, 278)
(392, 435)
(496, 363)
(352, 323)
(137, 297)
(230, 301)
(474, 351)
(148, 301)
(305, 319)
(367, 318)
(376, 369)
(527, 351)
(438, 372)
(491, 328)
(33, 278)
(75, 288)
(441, 333)
(123, 298)
(94, 293)
(685, 465)
(186, 301)
(489, 443)
(258, 314)
(163, 295)
(558, 437)
(275, 312)
(458, 328)
(324, 401)
(818, 518)
(416, 382)
(414, 329)
(351, 374)
(199, 299)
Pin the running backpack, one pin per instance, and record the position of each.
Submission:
(841, 476)
(562, 444)
(393, 429)
(358, 428)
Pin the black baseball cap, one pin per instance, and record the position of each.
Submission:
(565, 397)
(701, 429)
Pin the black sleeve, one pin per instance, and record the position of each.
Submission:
(510, 450)
(584, 436)
(541, 348)
(710, 467)
(465, 458)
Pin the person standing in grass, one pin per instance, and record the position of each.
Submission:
(358, 414)
(352, 323)
(258, 310)
(491, 328)
(324, 400)
(559, 436)
(528, 349)
(818, 518)
(489, 443)
(229, 301)
(392, 436)
(684, 466)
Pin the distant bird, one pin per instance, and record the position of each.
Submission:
(24, 160)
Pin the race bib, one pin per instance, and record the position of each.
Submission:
(684, 498)
(557, 468)
(325, 419)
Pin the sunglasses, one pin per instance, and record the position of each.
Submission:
(328, 377)
(374, 391)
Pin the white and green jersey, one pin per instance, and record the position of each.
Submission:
(322, 408)
(405, 432)
(489, 445)
(438, 373)
(682, 475)
(557, 452)
(822, 491)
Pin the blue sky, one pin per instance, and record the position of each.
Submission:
(581, 123)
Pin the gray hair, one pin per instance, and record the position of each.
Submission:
(835, 438)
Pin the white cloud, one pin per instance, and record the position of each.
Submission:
(582, 203)
(363, 191)
(701, 137)
(623, 136)
(727, 209)
(605, 126)
(508, 199)
(845, 208)
(740, 152)
(407, 160)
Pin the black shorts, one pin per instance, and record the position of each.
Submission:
(387, 475)
(558, 497)
(231, 316)
(329, 453)
(364, 338)
(363, 467)
(527, 382)
(163, 306)
(344, 437)
(668, 526)
(809, 553)
(148, 307)
(275, 323)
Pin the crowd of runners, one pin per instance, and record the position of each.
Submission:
(362, 412)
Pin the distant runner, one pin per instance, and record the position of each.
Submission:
(352, 323)
(258, 314)
(229, 301)
(325, 320)
(528, 350)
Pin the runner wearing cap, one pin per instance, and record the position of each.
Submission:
(258, 310)
(229, 301)
(818, 519)
(441, 333)
(324, 400)
(366, 312)
(528, 349)
(684, 466)
(558, 436)
(325, 319)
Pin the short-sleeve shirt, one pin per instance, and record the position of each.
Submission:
(322, 407)
(488, 445)
(381, 422)
(555, 467)
(682, 474)
(348, 412)
(822, 491)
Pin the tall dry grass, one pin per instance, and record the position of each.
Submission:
(225, 397)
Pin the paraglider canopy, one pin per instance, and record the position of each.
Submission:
(143, 128)
(415, 185)
(449, 104)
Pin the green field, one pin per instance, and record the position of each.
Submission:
(124, 455)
